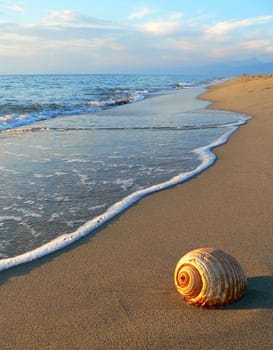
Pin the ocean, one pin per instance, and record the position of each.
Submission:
(76, 150)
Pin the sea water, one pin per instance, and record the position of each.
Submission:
(76, 150)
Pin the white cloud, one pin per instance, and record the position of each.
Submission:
(13, 6)
(140, 13)
(269, 49)
(15, 38)
(161, 28)
(222, 28)
(256, 44)
(148, 42)
(69, 18)
(170, 26)
(61, 17)
(16, 7)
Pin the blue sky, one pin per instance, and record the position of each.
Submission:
(104, 36)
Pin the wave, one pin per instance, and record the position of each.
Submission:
(36, 98)
(207, 158)
(16, 115)
(141, 128)
(120, 99)
(179, 85)
(185, 85)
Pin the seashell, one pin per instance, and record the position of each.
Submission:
(209, 277)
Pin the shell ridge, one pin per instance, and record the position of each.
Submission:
(228, 268)
(237, 278)
(217, 279)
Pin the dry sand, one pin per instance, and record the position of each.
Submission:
(115, 290)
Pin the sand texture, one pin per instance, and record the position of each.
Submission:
(115, 289)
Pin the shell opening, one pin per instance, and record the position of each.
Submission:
(184, 279)
(189, 281)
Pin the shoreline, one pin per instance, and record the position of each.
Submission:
(207, 159)
(171, 101)
(115, 289)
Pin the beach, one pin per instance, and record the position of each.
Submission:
(114, 289)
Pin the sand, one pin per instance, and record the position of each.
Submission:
(115, 290)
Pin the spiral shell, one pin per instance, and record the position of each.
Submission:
(209, 277)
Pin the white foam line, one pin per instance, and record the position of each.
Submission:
(207, 159)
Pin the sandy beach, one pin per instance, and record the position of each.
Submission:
(115, 289)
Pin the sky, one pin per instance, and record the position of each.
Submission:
(106, 36)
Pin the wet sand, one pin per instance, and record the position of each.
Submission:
(115, 290)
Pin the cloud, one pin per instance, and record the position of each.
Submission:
(140, 13)
(160, 28)
(94, 44)
(256, 44)
(16, 7)
(16, 38)
(269, 49)
(170, 26)
(69, 18)
(28, 53)
(220, 52)
(62, 34)
(62, 17)
(258, 48)
(225, 27)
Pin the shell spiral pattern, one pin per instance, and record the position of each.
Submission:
(209, 277)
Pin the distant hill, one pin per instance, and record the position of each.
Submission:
(252, 66)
